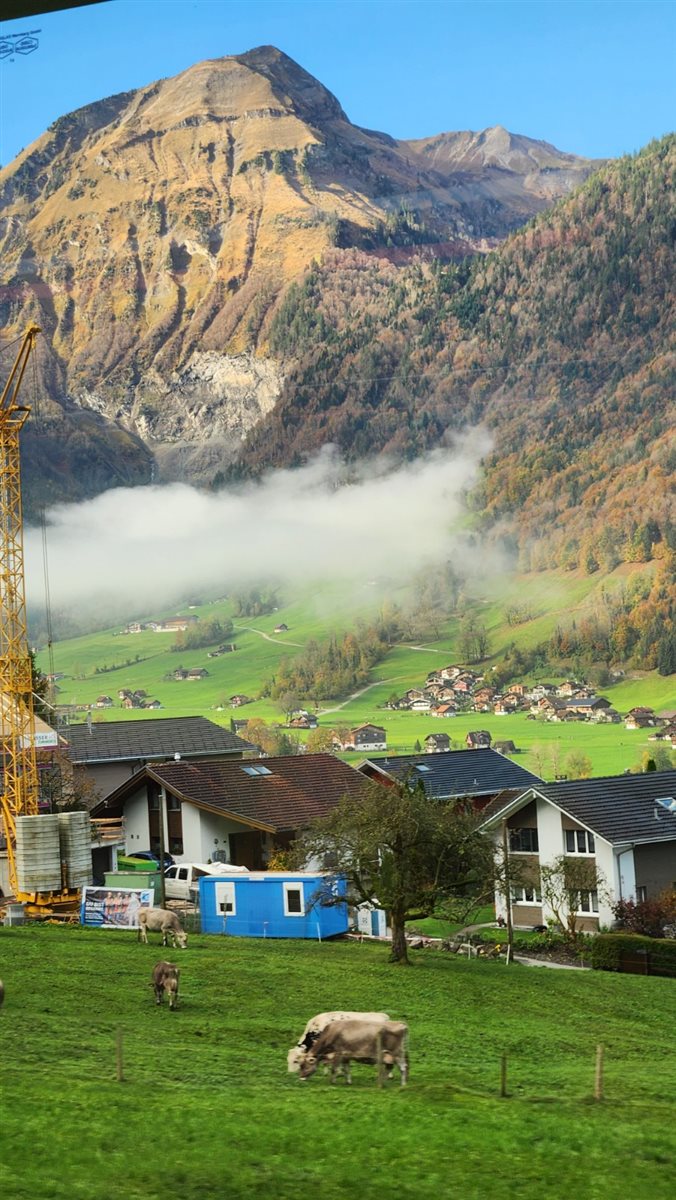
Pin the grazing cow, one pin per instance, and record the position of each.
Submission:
(361, 1041)
(165, 982)
(315, 1026)
(161, 920)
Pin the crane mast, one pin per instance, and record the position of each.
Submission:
(20, 786)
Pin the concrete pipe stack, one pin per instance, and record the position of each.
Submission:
(38, 853)
(76, 848)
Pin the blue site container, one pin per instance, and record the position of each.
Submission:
(273, 904)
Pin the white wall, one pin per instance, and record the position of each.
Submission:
(624, 876)
(550, 834)
(136, 823)
(204, 835)
(606, 864)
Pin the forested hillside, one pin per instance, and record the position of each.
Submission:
(561, 342)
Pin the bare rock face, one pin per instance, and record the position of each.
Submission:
(152, 234)
(194, 421)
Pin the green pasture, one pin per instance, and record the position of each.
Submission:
(553, 598)
(206, 1107)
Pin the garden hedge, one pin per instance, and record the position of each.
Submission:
(634, 953)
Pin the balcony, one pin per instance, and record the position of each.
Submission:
(107, 830)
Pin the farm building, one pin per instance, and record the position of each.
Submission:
(275, 904)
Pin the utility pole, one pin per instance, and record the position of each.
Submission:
(508, 895)
(163, 811)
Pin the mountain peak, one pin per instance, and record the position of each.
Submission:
(308, 96)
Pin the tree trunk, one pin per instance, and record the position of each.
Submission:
(399, 952)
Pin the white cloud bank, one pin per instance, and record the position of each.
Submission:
(146, 548)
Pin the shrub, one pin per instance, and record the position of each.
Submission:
(647, 917)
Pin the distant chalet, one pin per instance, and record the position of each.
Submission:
(170, 625)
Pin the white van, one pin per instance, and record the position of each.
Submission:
(181, 882)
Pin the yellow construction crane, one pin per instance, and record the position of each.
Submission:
(20, 785)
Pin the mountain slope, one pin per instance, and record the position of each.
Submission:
(156, 229)
(562, 341)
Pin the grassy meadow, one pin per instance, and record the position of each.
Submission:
(207, 1108)
(142, 660)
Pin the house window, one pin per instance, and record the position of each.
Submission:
(579, 841)
(588, 902)
(526, 895)
(293, 900)
(641, 895)
(524, 841)
(225, 899)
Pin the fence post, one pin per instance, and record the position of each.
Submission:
(118, 1054)
(598, 1075)
(503, 1075)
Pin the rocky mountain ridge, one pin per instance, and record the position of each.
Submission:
(156, 231)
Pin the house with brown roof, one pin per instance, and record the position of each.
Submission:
(366, 737)
(437, 743)
(640, 718)
(230, 811)
(478, 739)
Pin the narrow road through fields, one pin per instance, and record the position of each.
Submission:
(428, 649)
(268, 638)
(355, 695)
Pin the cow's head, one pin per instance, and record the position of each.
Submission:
(181, 938)
(294, 1058)
(308, 1066)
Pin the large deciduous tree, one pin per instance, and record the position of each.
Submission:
(404, 852)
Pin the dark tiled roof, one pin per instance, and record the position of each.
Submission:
(293, 791)
(620, 808)
(159, 737)
(456, 772)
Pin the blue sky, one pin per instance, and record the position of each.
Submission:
(595, 77)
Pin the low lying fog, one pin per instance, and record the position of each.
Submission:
(146, 548)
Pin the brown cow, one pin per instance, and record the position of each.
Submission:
(165, 982)
(361, 1041)
(319, 1022)
(161, 920)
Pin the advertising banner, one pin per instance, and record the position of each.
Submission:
(114, 908)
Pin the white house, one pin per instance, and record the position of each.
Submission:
(623, 825)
